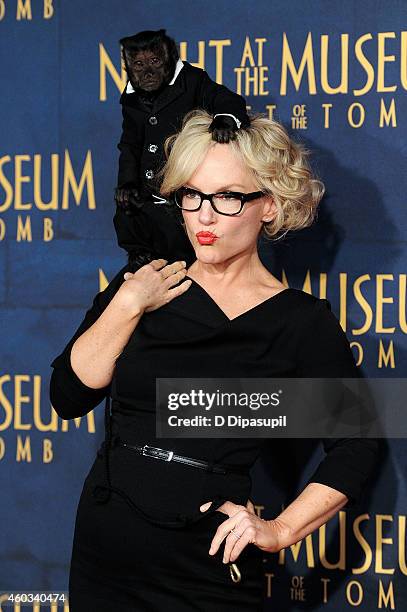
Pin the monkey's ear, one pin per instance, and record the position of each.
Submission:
(124, 60)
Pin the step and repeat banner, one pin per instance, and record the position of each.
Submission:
(336, 75)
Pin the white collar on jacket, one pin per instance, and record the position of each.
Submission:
(179, 66)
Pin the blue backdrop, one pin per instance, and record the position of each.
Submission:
(336, 75)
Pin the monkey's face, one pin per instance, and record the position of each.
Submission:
(148, 70)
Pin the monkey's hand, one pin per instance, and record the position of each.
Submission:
(223, 129)
(138, 259)
(128, 199)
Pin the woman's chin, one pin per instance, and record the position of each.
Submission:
(207, 254)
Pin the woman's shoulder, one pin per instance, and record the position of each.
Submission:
(305, 310)
(296, 310)
(302, 299)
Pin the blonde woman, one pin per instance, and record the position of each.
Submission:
(155, 534)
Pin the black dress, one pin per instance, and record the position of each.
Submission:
(142, 545)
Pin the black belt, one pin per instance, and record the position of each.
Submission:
(102, 492)
(168, 455)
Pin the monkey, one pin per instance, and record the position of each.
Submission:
(160, 90)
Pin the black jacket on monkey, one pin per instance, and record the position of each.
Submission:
(160, 91)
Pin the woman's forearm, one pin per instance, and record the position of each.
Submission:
(94, 353)
(312, 508)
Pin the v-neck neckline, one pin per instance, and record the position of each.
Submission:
(246, 312)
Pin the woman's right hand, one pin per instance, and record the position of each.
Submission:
(152, 285)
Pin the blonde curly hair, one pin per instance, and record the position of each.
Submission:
(278, 165)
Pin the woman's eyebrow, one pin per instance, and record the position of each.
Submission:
(219, 189)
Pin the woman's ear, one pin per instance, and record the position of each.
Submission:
(269, 209)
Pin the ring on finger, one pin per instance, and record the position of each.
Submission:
(237, 535)
(173, 272)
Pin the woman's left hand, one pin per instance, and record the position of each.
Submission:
(248, 526)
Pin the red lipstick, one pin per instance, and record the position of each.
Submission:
(206, 237)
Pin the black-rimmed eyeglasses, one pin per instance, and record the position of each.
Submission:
(225, 203)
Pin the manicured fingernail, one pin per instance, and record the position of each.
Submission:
(205, 506)
(224, 560)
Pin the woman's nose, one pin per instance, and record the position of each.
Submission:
(206, 213)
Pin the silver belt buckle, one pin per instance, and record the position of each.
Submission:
(157, 453)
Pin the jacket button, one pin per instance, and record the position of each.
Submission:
(149, 174)
(153, 121)
(153, 148)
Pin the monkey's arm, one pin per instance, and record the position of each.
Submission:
(130, 147)
(127, 193)
(229, 107)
